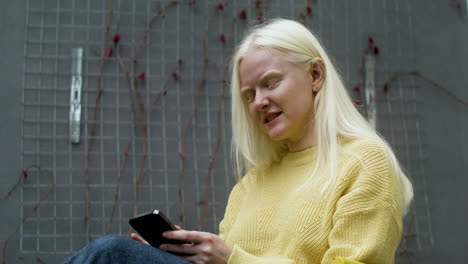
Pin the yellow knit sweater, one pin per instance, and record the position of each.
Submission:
(359, 220)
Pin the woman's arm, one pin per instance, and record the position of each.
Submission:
(202, 247)
(367, 223)
(211, 249)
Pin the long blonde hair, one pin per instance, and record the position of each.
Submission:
(335, 114)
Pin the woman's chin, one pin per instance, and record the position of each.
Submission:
(276, 133)
(276, 136)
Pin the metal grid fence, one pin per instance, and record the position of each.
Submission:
(55, 27)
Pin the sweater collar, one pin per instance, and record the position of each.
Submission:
(298, 158)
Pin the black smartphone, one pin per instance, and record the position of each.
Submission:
(150, 227)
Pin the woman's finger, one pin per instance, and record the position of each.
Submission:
(138, 238)
(189, 236)
(183, 249)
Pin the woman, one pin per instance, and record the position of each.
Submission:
(320, 187)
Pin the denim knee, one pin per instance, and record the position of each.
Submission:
(101, 250)
(115, 249)
(110, 243)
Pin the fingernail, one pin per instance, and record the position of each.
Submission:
(164, 234)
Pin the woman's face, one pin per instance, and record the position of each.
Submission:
(279, 95)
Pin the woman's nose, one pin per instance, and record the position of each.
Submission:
(261, 101)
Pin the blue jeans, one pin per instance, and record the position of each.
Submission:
(114, 249)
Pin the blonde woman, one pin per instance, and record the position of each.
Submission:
(320, 185)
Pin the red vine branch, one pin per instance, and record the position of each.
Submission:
(144, 124)
(374, 49)
(106, 53)
(22, 177)
(306, 10)
(204, 202)
(405, 250)
(384, 87)
(188, 125)
(132, 81)
(132, 108)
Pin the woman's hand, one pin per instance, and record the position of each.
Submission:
(138, 238)
(141, 240)
(201, 247)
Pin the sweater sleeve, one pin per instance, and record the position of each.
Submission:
(232, 208)
(367, 222)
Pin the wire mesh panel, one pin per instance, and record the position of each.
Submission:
(135, 147)
(54, 29)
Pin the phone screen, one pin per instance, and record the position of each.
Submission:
(150, 227)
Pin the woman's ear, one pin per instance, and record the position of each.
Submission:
(318, 73)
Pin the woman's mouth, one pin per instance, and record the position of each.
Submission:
(272, 117)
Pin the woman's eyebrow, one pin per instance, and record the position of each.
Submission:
(243, 89)
(266, 75)
(269, 74)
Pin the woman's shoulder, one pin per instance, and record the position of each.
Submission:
(368, 172)
(249, 178)
(362, 145)
(358, 154)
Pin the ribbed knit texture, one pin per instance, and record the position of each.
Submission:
(360, 219)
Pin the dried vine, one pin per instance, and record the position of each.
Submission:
(305, 11)
(204, 202)
(385, 86)
(406, 251)
(106, 53)
(383, 89)
(132, 81)
(188, 125)
(23, 177)
(144, 124)
(132, 107)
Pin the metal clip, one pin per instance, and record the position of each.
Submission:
(369, 61)
(75, 95)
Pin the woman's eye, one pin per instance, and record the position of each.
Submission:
(249, 96)
(273, 83)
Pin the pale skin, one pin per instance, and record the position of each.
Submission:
(203, 247)
(269, 84)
